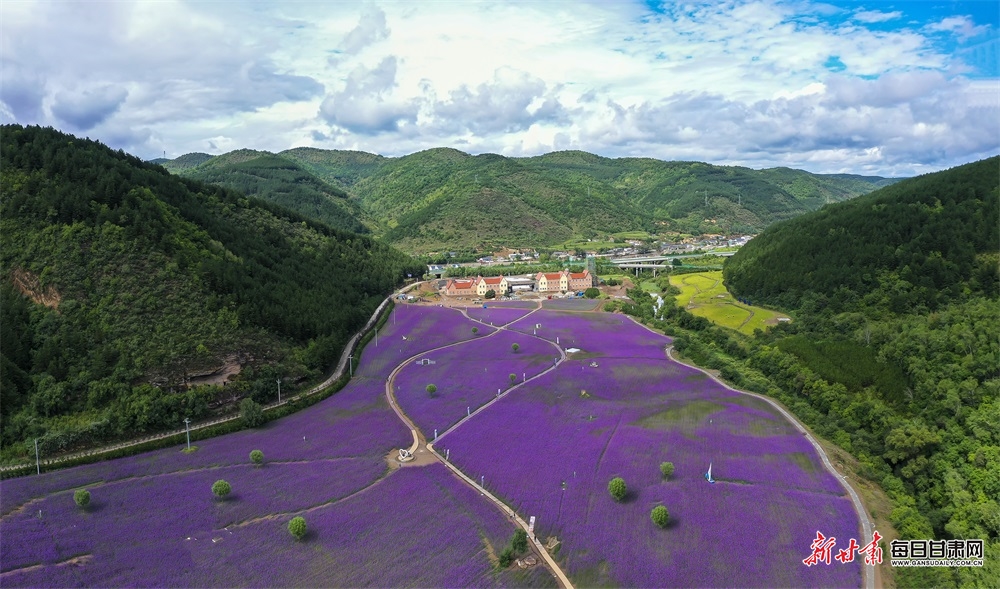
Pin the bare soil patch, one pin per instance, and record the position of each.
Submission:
(29, 285)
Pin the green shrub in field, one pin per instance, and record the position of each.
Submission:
(660, 516)
(617, 488)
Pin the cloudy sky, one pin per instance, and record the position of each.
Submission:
(887, 88)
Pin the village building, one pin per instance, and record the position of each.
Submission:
(552, 281)
(498, 284)
(460, 287)
(580, 280)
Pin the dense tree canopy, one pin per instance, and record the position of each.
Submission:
(119, 282)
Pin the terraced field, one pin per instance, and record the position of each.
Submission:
(704, 295)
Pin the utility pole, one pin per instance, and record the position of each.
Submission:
(38, 465)
(350, 364)
(187, 428)
(279, 390)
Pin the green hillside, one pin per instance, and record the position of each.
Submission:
(183, 162)
(119, 282)
(282, 182)
(917, 242)
(441, 199)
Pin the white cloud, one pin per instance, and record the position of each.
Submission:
(745, 81)
(876, 16)
(962, 26)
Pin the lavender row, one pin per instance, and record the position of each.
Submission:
(412, 329)
(576, 429)
(497, 315)
(597, 334)
(468, 376)
(419, 527)
(356, 421)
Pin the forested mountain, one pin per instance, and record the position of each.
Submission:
(120, 281)
(894, 353)
(446, 199)
(918, 242)
(282, 182)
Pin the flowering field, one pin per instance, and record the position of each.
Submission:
(154, 522)
(372, 538)
(423, 328)
(468, 376)
(616, 408)
(550, 448)
(497, 315)
(595, 334)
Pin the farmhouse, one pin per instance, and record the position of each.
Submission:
(564, 281)
(498, 284)
(552, 281)
(580, 280)
(460, 287)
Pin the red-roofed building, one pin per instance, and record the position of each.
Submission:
(498, 284)
(580, 280)
(552, 281)
(460, 287)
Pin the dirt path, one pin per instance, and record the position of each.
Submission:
(421, 448)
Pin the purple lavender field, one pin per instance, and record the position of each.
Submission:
(419, 527)
(550, 448)
(497, 315)
(595, 334)
(424, 328)
(468, 376)
(153, 521)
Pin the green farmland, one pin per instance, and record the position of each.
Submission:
(704, 295)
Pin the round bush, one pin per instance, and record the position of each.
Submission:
(659, 515)
(667, 468)
(82, 497)
(221, 488)
(297, 527)
(617, 488)
(257, 457)
(431, 389)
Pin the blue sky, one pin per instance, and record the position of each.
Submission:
(886, 88)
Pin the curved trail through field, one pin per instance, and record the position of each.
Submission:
(422, 449)
(868, 571)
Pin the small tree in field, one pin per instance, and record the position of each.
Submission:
(660, 516)
(515, 347)
(257, 457)
(667, 468)
(475, 330)
(520, 541)
(297, 527)
(617, 488)
(251, 412)
(431, 389)
(513, 378)
(221, 488)
(592, 293)
(82, 498)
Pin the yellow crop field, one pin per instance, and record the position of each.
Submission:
(704, 295)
